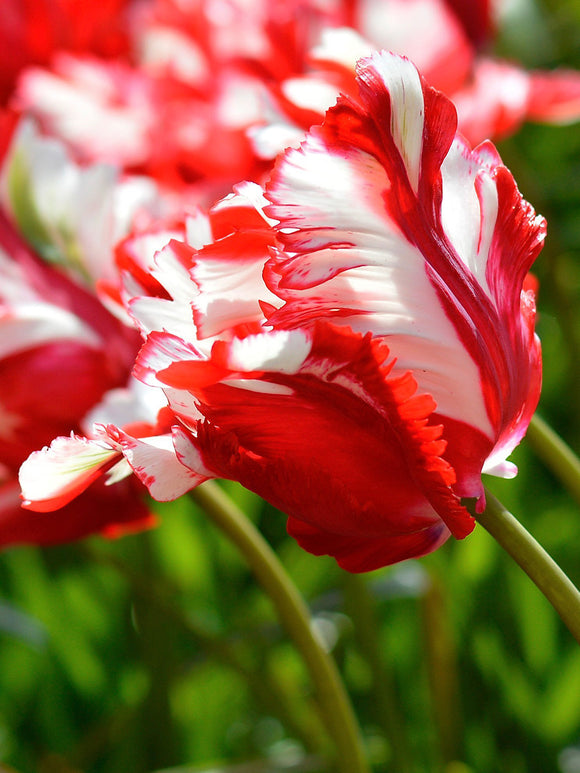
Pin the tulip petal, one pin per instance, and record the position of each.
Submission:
(155, 463)
(365, 555)
(54, 476)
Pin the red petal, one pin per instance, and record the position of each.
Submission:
(350, 450)
(365, 555)
(109, 510)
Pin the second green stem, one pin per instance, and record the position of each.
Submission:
(533, 559)
(295, 617)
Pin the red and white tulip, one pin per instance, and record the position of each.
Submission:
(356, 344)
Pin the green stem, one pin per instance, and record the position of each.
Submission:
(533, 559)
(294, 615)
(555, 454)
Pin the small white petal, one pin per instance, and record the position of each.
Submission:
(281, 351)
(255, 385)
(155, 463)
(500, 468)
(63, 470)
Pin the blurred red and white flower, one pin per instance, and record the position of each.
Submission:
(205, 93)
(32, 30)
(72, 215)
(355, 344)
(493, 97)
(63, 356)
(61, 352)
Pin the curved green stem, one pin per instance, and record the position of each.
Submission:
(294, 615)
(533, 559)
(555, 454)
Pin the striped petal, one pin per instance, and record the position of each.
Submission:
(392, 226)
(156, 464)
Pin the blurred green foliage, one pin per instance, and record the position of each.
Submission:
(159, 652)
